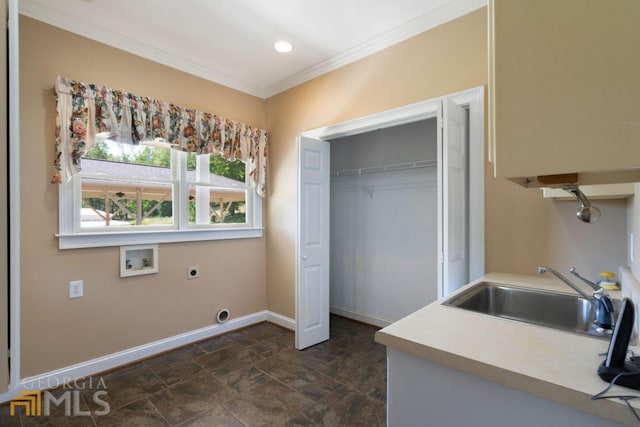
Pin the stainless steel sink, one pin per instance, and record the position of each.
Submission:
(554, 310)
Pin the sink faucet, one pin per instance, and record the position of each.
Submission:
(600, 298)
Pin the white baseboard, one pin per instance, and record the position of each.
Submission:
(101, 364)
(280, 320)
(364, 318)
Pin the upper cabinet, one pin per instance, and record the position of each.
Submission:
(564, 90)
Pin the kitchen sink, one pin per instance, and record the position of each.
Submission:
(565, 312)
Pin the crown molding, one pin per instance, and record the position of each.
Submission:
(442, 14)
(445, 13)
(75, 25)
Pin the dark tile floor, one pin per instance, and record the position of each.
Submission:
(249, 377)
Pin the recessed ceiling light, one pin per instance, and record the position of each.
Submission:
(283, 46)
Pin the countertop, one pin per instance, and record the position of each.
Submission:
(555, 365)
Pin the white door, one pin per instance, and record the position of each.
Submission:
(312, 248)
(455, 263)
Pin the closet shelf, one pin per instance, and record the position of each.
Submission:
(386, 168)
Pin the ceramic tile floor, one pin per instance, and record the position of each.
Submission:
(249, 377)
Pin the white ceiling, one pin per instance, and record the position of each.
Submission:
(231, 41)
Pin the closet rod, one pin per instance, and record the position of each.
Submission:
(386, 168)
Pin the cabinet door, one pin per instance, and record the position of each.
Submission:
(565, 86)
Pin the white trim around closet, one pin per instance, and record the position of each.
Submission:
(473, 99)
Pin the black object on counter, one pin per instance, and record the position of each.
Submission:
(615, 365)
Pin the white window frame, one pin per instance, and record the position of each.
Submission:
(72, 236)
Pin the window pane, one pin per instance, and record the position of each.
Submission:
(218, 167)
(116, 203)
(209, 205)
(142, 154)
(126, 185)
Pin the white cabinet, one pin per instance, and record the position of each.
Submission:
(424, 393)
(564, 90)
(593, 192)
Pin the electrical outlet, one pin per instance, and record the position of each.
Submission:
(193, 272)
(76, 289)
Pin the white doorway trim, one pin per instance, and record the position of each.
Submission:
(398, 116)
(473, 99)
(14, 201)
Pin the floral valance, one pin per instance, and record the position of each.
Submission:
(86, 110)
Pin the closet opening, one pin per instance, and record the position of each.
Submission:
(383, 222)
(365, 245)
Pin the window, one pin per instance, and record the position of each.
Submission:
(217, 190)
(150, 193)
(126, 178)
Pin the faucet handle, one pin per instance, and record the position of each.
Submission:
(595, 287)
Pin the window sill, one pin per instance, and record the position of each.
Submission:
(103, 239)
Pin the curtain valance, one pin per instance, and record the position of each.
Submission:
(85, 110)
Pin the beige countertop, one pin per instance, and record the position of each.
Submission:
(556, 365)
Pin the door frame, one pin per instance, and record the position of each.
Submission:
(15, 379)
(473, 100)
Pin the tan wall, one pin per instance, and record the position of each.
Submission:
(522, 229)
(115, 314)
